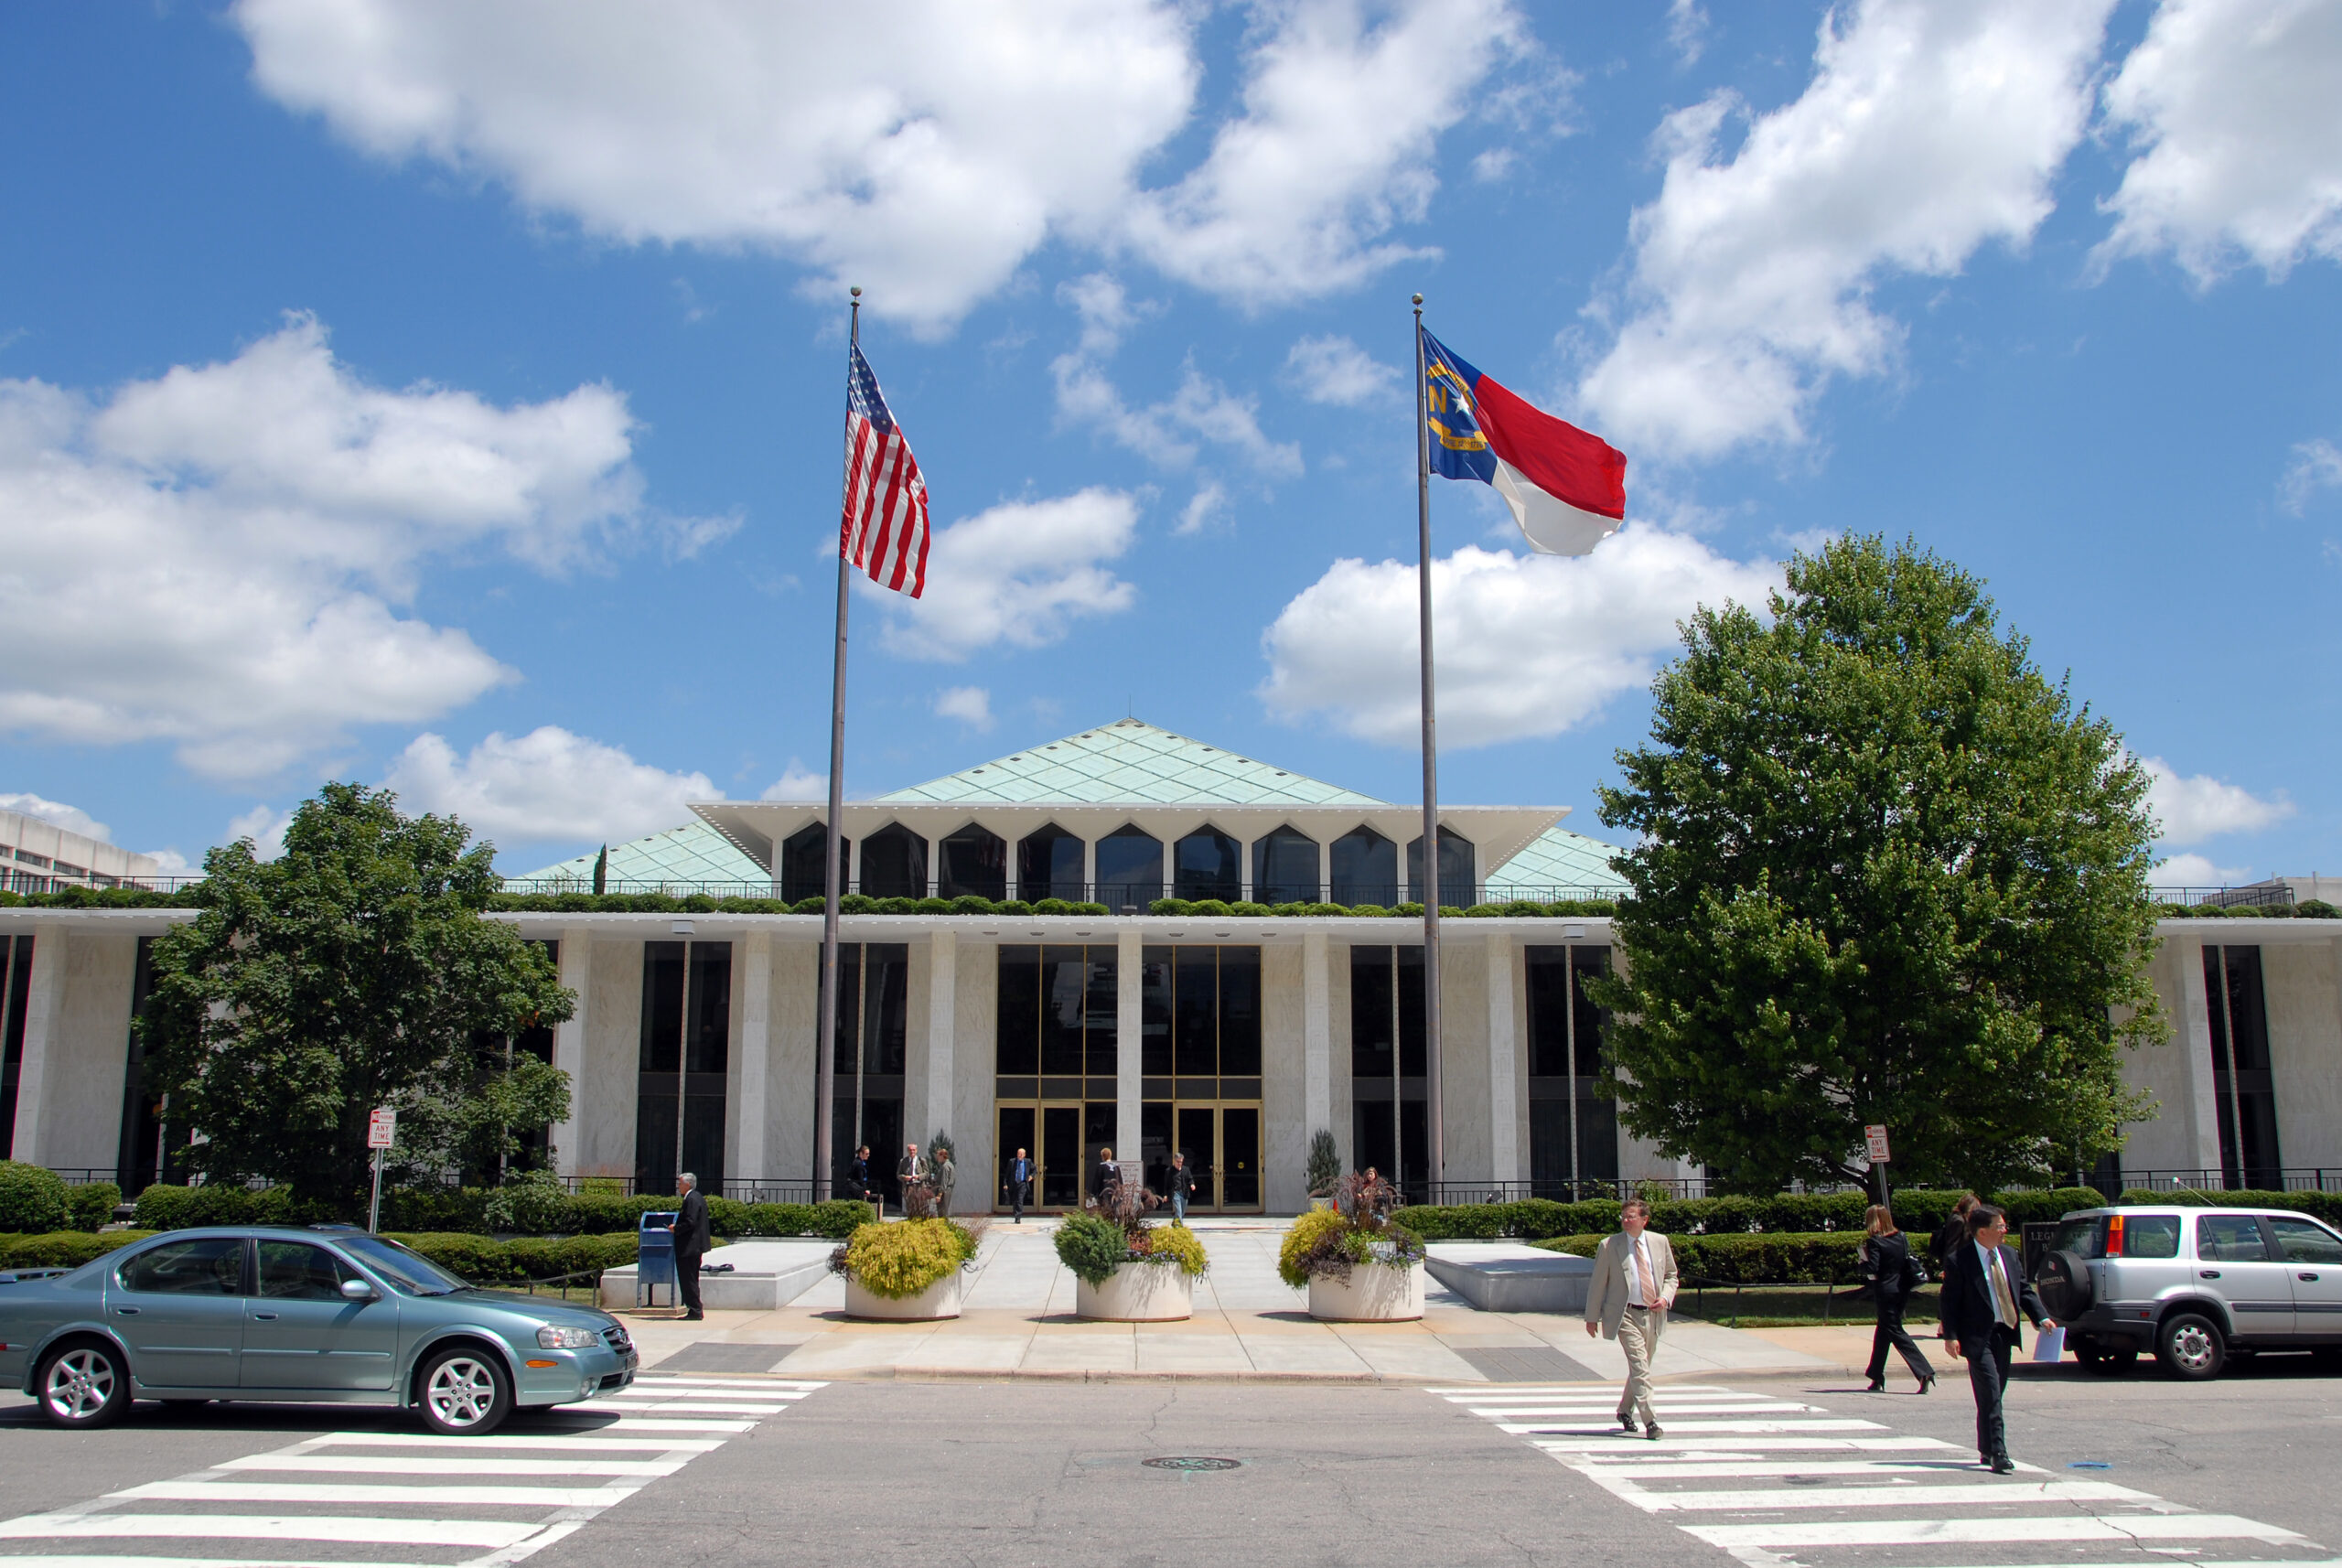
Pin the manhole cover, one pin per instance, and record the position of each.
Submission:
(1190, 1461)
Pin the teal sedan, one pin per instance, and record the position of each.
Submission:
(326, 1314)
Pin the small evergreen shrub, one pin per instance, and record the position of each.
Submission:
(32, 1197)
(87, 1207)
(62, 1249)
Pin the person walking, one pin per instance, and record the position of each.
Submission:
(1182, 1187)
(1627, 1300)
(946, 1174)
(689, 1229)
(1949, 1237)
(1887, 1262)
(913, 1173)
(858, 1175)
(1984, 1292)
(1106, 1179)
(1020, 1184)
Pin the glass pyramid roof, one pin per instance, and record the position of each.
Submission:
(1557, 858)
(693, 852)
(1130, 761)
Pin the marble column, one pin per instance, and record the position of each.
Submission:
(752, 1158)
(1316, 1036)
(43, 1045)
(1504, 1062)
(569, 1043)
(1130, 955)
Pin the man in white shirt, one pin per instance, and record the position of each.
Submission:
(1627, 1300)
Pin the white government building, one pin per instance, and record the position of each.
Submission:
(1231, 1037)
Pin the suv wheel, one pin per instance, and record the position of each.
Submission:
(2191, 1346)
(466, 1393)
(86, 1384)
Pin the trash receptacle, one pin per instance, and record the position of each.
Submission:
(654, 1258)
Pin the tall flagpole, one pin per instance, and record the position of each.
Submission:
(825, 1042)
(1431, 886)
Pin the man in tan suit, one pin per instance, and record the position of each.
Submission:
(1627, 1300)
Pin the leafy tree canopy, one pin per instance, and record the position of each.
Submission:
(354, 971)
(1886, 874)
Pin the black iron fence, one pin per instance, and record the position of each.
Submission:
(2288, 1178)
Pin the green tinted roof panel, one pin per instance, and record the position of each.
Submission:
(1132, 760)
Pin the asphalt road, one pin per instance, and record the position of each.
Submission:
(881, 1473)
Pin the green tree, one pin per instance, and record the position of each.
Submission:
(354, 971)
(1886, 873)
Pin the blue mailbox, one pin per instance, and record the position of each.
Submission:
(654, 1257)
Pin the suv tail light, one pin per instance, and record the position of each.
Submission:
(2114, 1236)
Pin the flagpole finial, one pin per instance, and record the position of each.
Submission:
(856, 290)
(1419, 299)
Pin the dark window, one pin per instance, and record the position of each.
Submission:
(692, 1023)
(1155, 1009)
(972, 861)
(1208, 863)
(1240, 1013)
(295, 1270)
(207, 1265)
(1055, 1013)
(2306, 1241)
(1573, 1130)
(2151, 1236)
(1284, 868)
(138, 1158)
(873, 1033)
(1129, 868)
(16, 982)
(1371, 1006)
(1195, 1027)
(2242, 1085)
(1366, 868)
(1455, 870)
(1017, 1013)
(893, 864)
(1065, 985)
(1048, 866)
(2230, 1239)
(803, 866)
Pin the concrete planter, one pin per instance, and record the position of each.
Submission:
(1378, 1292)
(1138, 1293)
(940, 1299)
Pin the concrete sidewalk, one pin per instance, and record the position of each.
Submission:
(1018, 1321)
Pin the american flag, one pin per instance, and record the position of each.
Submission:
(884, 531)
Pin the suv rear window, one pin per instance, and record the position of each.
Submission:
(2147, 1235)
(2082, 1238)
(2230, 1239)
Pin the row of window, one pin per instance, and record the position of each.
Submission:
(1133, 867)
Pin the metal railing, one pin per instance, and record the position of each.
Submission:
(2289, 1178)
(2259, 895)
(82, 1176)
(744, 1189)
(1454, 1194)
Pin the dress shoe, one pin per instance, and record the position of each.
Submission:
(1626, 1424)
(1927, 1384)
(694, 1316)
(1877, 1386)
(2003, 1466)
(1653, 1432)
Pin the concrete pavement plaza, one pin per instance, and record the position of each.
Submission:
(1017, 1320)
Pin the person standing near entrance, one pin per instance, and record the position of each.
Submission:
(1183, 1187)
(858, 1175)
(1984, 1290)
(1627, 1300)
(946, 1174)
(1892, 1273)
(913, 1173)
(689, 1229)
(1106, 1180)
(1020, 1184)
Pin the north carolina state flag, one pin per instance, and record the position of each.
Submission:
(1567, 487)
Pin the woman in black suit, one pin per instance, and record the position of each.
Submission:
(1886, 1260)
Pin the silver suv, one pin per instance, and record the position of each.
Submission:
(2196, 1285)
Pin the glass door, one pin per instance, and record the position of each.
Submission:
(1016, 1127)
(1240, 1152)
(1060, 1155)
(1199, 1140)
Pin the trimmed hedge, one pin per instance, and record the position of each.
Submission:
(462, 1211)
(32, 1197)
(62, 1249)
(86, 1208)
(1537, 1218)
(483, 1261)
(1790, 1258)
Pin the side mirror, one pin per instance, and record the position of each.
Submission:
(357, 1290)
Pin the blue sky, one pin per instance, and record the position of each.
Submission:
(450, 396)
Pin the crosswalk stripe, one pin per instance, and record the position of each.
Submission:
(564, 1442)
(1975, 1531)
(1665, 1412)
(1967, 1492)
(435, 1495)
(346, 1528)
(1697, 1424)
(692, 1407)
(1591, 1385)
(97, 1561)
(662, 1380)
(626, 1424)
(1704, 1468)
(1693, 1442)
(478, 1465)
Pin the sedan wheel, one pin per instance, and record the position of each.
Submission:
(2192, 1347)
(83, 1385)
(465, 1392)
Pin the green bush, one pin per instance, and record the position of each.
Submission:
(1918, 1211)
(899, 1261)
(480, 1261)
(1787, 1258)
(530, 1207)
(62, 1249)
(93, 1206)
(31, 1198)
(1092, 1248)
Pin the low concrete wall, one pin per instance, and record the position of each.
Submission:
(1502, 1276)
(764, 1275)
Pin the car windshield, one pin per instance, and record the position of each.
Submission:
(2080, 1237)
(408, 1271)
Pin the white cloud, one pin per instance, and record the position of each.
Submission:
(923, 149)
(970, 705)
(265, 827)
(171, 863)
(211, 557)
(2199, 807)
(546, 785)
(1207, 503)
(1166, 434)
(2233, 104)
(2197, 871)
(58, 814)
(2316, 465)
(1337, 370)
(798, 783)
(1331, 151)
(1527, 645)
(1015, 575)
(1927, 130)
(1687, 30)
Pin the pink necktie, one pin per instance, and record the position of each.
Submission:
(1642, 1267)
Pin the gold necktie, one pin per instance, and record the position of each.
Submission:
(2001, 1293)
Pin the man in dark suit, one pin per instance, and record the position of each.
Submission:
(691, 1243)
(1020, 1183)
(1984, 1292)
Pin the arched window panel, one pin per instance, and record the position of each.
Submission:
(893, 864)
(1208, 863)
(801, 867)
(1129, 868)
(972, 861)
(1048, 866)
(1284, 867)
(1366, 868)
(1455, 870)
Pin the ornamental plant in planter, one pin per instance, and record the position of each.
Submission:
(908, 1271)
(1130, 1271)
(1356, 1266)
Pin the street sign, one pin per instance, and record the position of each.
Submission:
(1877, 1136)
(381, 1127)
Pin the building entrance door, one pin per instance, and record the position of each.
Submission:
(1222, 1143)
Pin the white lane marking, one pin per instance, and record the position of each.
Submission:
(560, 1442)
(287, 1527)
(664, 1380)
(1698, 1424)
(478, 1465)
(1704, 1467)
(1613, 1384)
(1665, 1412)
(1712, 1446)
(1921, 1531)
(694, 1407)
(435, 1496)
(626, 1424)
(97, 1561)
(1972, 1491)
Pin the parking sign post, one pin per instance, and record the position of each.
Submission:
(381, 1128)
(1875, 1136)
